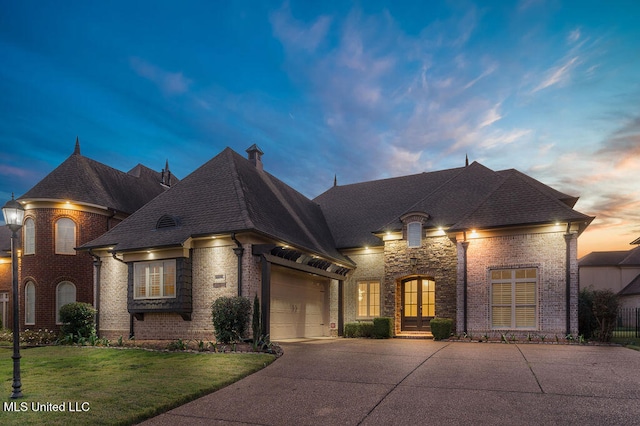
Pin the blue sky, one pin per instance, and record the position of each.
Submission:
(361, 90)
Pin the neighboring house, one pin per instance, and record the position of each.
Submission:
(77, 202)
(495, 251)
(618, 271)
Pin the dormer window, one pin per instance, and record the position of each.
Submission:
(414, 234)
(413, 224)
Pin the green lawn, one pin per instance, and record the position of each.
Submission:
(113, 386)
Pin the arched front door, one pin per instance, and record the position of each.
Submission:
(418, 303)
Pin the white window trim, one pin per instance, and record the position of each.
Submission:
(136, 284)
(366, 295)
(58, 245)
(513, 280)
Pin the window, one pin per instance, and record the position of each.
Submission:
(65, 294)
(368, 299)
(65, 236)
(414, 234)
(29, 236)
(513, 298)
(30, 303)
(154, 280)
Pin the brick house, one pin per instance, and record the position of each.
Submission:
(495, 251)
(77, 202)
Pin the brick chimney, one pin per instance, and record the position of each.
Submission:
(255, 156)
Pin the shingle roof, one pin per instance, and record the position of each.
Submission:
(82, 179)
(461, 198)
(612, 258)
(226, 194)
(632, 288)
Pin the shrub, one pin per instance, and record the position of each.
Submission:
(597, 314)
(230, 317)
(352, 329)
(605, 310)
(382, 328)
(360, 329)
(78, 319)
(587, 323)
(441, 328)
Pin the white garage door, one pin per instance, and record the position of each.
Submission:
(299, 304)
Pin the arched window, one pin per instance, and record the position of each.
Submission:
(30, 303)
(65, 236)
(29, 236)
(414, 234)
(65, 293)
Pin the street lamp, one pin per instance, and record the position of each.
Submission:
(13, 215)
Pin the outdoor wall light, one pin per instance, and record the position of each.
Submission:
(13, 216)
(413, 261)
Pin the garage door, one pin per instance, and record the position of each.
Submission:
(299, 304)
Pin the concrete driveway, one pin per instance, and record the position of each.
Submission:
(405, 382)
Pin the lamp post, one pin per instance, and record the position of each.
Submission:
(13, 215)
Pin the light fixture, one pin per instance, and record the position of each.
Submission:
(13, 216)
(413, 261)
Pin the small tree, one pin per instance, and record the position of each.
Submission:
(255, 323)
(605, 309)
(78, 319)
(230, 317)
(587, 323)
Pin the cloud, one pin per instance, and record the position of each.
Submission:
(556, 75)
(574, 36)
(14, 171)
(170, 83)
(295, 34)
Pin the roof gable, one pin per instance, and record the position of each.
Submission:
(84, 180)
(226, 194)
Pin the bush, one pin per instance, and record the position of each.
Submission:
(597, 314)
(441, 328)
(587, 323)
(605, 310)
(230, 317)
(78, 320)
(382, 328)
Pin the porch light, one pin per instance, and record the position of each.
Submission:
(413, 261)
(13, 216)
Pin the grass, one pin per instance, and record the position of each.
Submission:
(119, 386)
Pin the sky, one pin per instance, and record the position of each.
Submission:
(353, 90)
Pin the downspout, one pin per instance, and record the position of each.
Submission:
(266, 294)
(567, 239)
(97, 264)
(239, 251)
(465, 246)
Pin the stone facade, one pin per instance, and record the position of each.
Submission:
(545, 252)
(435, 259)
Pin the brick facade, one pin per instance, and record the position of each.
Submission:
(546, 252)
(46, 269)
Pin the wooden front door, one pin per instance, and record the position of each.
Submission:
(418, 304)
